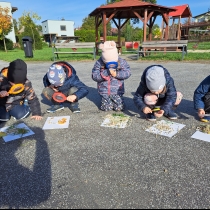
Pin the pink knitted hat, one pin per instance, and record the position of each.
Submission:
(109, 51)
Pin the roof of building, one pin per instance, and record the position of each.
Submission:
(14, 9)
(181, 10)
(206, 13)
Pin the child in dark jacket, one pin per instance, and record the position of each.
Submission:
(157, 89)
(109, 72)
(14, 104)
(202, 99)
(61, 77)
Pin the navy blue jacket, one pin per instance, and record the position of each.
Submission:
(200, 92)
(170, 95)
(72, 80)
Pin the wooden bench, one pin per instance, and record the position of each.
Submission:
(74, 46)
(175, 46)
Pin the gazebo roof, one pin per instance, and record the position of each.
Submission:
(182, 10)
(125, 6)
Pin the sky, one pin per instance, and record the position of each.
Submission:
(77, 10)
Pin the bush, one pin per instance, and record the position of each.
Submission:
(86, 35)
(9, 44)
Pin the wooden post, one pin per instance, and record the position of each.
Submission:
(167, 27)
(179, 26)
(96, 34)
(104, 26)
(150, 29)
(145, 25)
(119, 37)
(162, 29)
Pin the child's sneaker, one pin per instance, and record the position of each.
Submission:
(171, 115)
(151, 117)
(55, 108)
(74, 107)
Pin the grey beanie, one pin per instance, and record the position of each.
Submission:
(155, 78)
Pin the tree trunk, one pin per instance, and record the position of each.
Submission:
(5, 47)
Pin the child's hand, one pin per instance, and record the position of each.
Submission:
(113, 72)
(71, 98)
(201, 113)
(147, 110)
(159, 113)
(36, 117)
(4, 93)
(53, 87)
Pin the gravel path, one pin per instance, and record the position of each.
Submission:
(89, 166)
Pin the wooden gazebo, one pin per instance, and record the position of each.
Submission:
(121, 12)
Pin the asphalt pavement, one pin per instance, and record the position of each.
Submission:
(88, 166)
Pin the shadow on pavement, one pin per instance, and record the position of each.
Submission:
(19, 185)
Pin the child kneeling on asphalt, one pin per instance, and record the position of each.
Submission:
(202, 99)
(109, 72)
(18, 104)
(156, 95)
(61, 77)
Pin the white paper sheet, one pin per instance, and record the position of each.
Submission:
(173, 128)
(11, 137)
(201, 136)
(53, 122)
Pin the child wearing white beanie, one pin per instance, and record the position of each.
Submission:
(109, 72)
(156, 95)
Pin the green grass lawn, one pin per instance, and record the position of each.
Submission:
(46, 54)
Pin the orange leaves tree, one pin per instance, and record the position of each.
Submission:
(5, 24)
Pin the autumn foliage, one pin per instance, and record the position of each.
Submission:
(5, 23)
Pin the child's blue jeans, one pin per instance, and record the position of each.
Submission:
(18, 112)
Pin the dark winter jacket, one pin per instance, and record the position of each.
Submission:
(72, 80)
(108, 85)
(169, 95)
(28, 93)
(200, 92)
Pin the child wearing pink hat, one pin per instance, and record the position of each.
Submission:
(109, 72)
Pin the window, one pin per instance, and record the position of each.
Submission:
(63, 28)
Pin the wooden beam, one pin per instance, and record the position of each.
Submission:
(112, 15)
(115, 23)
(164, 17)
(150, 15)
(138, 16)
(124, 23)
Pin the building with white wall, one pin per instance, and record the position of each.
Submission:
(53, 28)
(4, 4)
(202, 17)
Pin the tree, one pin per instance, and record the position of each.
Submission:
(29, 19)
(5, 24)
(89, 24)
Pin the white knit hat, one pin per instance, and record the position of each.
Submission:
(155, 78)
(109, 51)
